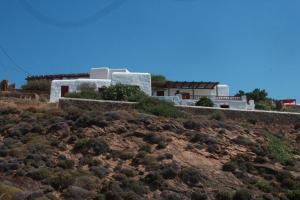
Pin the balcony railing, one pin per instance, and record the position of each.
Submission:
(197, 97)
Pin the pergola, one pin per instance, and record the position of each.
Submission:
(58, 76)
(184, 85)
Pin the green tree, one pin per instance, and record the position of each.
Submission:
(204, 101)
(157, 77)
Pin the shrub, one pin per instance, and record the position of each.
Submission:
(294, 194)
(94, 146)
(205, 101)
(158, 107)
(154, 180)
(229, 166)
(157, 77)
(242, 194)
(89, 94)
(217, 115)
(223, 196)
(264, 186)
(121, 92)
(133, 185)
(279, 150)
(123, 154)
(241, 140)
(91, 118)
(38, 85)
(65, 163)
(61, 181)
(39, 174)
(199, 195)
(190, 176)
(9, 110)
(170, 171)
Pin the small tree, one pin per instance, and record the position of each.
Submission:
(121, 92)
(161, 78)
(205, 101)
(38, 85)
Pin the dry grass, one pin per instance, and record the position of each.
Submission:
(24, 104)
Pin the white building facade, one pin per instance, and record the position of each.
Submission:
(188, 93)
(101, 77)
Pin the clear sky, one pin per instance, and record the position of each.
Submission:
(244, 43)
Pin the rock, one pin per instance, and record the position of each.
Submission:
(60, 130)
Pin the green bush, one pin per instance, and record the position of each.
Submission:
(121, 92)
(217, 115)
(264, 186)
(157, 77)
(294, 194)
(158, 107)
(38, 85)
(223, 195)
(242, 195)
(96, 146)
(279, 150)
(190, 176)
(204, 101)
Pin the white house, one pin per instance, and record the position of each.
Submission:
(188, 93)
(101, 77)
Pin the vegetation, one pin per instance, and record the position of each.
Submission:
(205, 101)
(37, 85)
(84, 95)
(160, 78)
(279, 150)
(78, 154)
(121, 92)
(158, 107)
(117, 92)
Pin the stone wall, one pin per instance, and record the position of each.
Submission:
(259, 116)
(95, 105)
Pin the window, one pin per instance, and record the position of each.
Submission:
(160, 93)
(224, 106)
(100, 90)
(64, 90)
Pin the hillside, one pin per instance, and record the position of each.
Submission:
(46, 153)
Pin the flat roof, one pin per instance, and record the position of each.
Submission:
(184, 84)
(58, 76)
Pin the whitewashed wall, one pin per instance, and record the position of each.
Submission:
(73, 86)
(143, 80)
(104, 72)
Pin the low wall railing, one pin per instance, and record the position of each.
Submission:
(197, 97)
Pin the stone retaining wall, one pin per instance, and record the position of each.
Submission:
(259, 116)
(99, 105)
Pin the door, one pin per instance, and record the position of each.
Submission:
(160, 93)
(64, 90)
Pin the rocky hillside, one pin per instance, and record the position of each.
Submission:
(46, 153)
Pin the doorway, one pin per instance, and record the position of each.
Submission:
(64, 90)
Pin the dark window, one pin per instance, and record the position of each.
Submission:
(100, 90)
(224, 106)
(160, 93)
(64, 90)
(186, 96)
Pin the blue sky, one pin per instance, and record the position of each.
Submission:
(246, 44)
